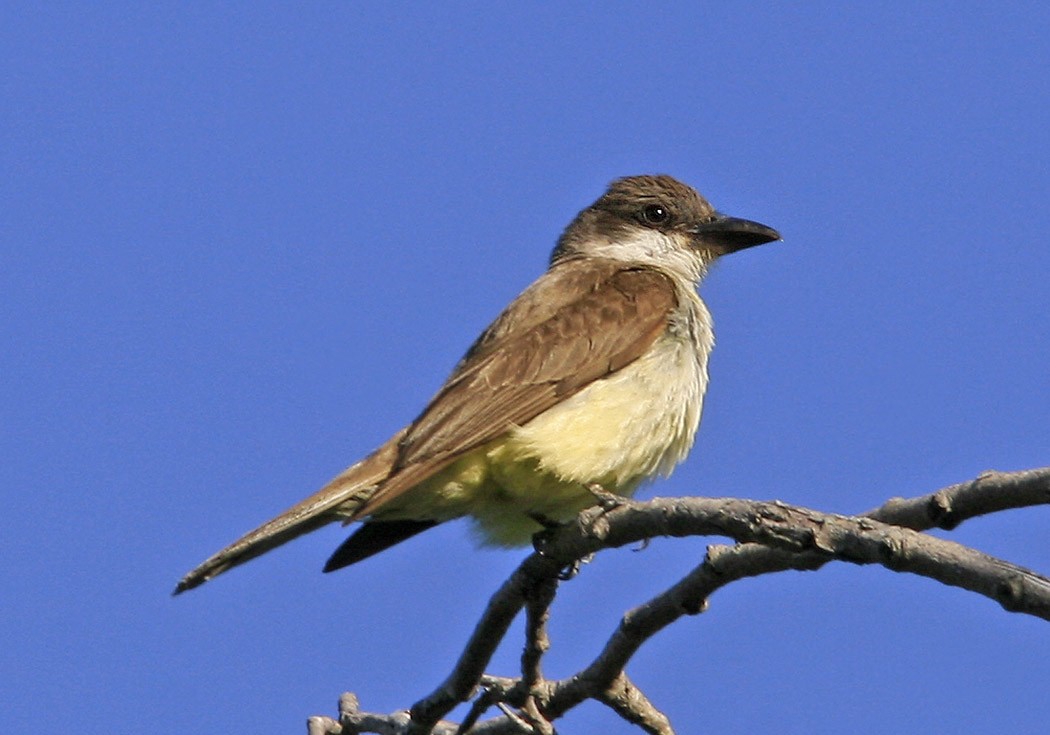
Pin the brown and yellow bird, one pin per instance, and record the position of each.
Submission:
(595, 374)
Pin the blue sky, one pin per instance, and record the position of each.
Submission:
(242, 244)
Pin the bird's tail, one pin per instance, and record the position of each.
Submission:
(343, 494)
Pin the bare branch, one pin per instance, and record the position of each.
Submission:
(794, 529)
(990, 492)
(323, 726)
(537, 613)
(774, 537)
(630, 703)
(501, 611)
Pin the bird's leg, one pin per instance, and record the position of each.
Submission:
(549, 524)
(606, 500)
(544, 535)
(541, 538)
(550, 527)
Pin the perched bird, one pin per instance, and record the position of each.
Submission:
(595, 374)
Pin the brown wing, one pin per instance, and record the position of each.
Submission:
(581, 321)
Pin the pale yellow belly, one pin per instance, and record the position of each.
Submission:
(619, 431)
(637, 423)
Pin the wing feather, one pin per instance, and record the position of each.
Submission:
(575, 325)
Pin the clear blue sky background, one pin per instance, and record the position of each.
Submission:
(242, 244)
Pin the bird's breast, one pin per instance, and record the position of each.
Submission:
(633, 424)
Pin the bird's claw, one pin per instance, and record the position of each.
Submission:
(607, 501)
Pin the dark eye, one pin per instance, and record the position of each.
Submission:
(655, 214)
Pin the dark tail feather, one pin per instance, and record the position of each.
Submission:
(373, 537)
(345, 493)
(256, 543)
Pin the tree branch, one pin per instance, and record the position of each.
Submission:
(774, 537)
(989, 492)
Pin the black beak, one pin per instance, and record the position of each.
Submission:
(731, 234)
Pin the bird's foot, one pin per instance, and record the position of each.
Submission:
(606, 500)
(541, 538)
(571, 570)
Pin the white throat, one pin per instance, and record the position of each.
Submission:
(651, 247)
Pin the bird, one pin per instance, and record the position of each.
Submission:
(593, 377)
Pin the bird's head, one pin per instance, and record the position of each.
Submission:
(658, 221)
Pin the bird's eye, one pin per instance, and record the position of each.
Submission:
(655, 214)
